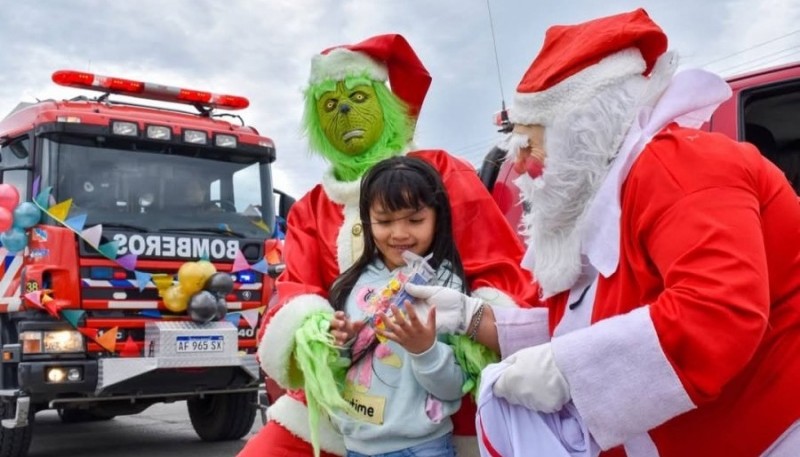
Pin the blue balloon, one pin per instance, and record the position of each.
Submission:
(14, 240)
(26, 215)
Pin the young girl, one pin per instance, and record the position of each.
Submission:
(402, 391)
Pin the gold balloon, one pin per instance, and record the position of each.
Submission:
(176, 299)
(208, 269)
(191, 277)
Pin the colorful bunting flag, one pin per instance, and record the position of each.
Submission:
(251, 316)
(88, 332)
(36, 183)
(73, 316)
(233, 318)
(142, 279)
(127, 261)
(76, 223)
(260, 266)
(130, 349)
(109, 250)
(108, 340)
(60, 211)
(154, 313)
(35, 298)
(239, 262)
(92, 235)
(42, 200)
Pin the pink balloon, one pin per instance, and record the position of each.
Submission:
(9, 197)
(6, 219)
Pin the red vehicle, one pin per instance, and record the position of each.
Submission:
(763, 110)
(167, 186)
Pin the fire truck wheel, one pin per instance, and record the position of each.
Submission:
(223, 417)
(14, 442)
(72, 416)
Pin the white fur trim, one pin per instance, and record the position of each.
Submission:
(292, 414)
(277, 344)
(341, 192)
(344, 241)
(542, 107)
(494, 297)
(619, 377)
(340, 63)
(466, 446)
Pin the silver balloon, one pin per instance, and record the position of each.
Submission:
(222, 309)
(221, 284)
(203, 307)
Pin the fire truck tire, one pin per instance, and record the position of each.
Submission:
(14, 442)
(223, 417)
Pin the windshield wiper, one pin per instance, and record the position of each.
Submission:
(218, 230)
(122, 225)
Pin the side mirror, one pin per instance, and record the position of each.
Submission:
(285, 202)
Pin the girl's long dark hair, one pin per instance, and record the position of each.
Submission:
(400, 183)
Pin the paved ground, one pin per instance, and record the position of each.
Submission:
(163, 430)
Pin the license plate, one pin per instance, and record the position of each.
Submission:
(207, 343)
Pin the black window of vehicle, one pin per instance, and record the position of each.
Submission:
(15, 159)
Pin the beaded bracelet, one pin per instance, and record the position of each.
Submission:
(473, 332)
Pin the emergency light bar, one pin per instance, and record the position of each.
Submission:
(147, 90)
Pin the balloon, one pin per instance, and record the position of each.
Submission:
(9, 197)
(190, 277)
(175, 299)
(14, 240)
(208, 269)
(221, 284)
(26, 215)
(6, 219)
(203, 307)
(222, 309)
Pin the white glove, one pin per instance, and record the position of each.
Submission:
(533, 380)
(454, 310)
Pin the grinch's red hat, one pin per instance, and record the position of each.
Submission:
(381, 57)
(577, 61)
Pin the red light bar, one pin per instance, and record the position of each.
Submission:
(147, 90)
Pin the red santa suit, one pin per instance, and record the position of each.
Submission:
(679, 334)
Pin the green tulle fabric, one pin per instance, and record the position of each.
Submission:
(472, 357)
(323, 369)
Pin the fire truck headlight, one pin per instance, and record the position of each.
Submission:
(159, 132)
(31, 342)
(124, 128)
(195, 137)
(63, 341)
(225, 141)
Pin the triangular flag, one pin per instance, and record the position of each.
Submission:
(251, 316)
(90, 332)
(60, 210)
(73, 316)
(128, 261)
(50, 305)
(35, 298)
(43, 198)
(76, 223)
(142, 279)
(239, 262)
(260, 266)
(109, 249)
(108, 340)
(233, 318)
(262, 225)
(154, 313)
(130, 349)
(261, 309)
(204, 255)
(36, 184)
(92, 235)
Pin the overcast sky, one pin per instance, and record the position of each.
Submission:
(262, 48)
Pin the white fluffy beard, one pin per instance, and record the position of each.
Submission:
(580, 149)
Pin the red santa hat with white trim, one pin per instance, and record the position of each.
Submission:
(383, 57)
(576, 62)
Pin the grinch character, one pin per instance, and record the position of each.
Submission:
(355, 120)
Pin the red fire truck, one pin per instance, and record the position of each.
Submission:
(167, 186)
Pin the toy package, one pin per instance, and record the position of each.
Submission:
(416, 271)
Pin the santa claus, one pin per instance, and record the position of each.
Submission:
(668, 256)
(354, 120)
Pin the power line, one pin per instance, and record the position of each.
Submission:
(762, 57)
(496, 58)
(750, 48)
(763, 64)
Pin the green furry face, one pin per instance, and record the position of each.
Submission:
(351, 117)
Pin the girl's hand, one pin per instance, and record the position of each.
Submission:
(343, 329)
(410, 333)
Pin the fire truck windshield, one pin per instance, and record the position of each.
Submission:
(174, 189)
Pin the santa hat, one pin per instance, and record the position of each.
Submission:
(576, 62)
(380, 58)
